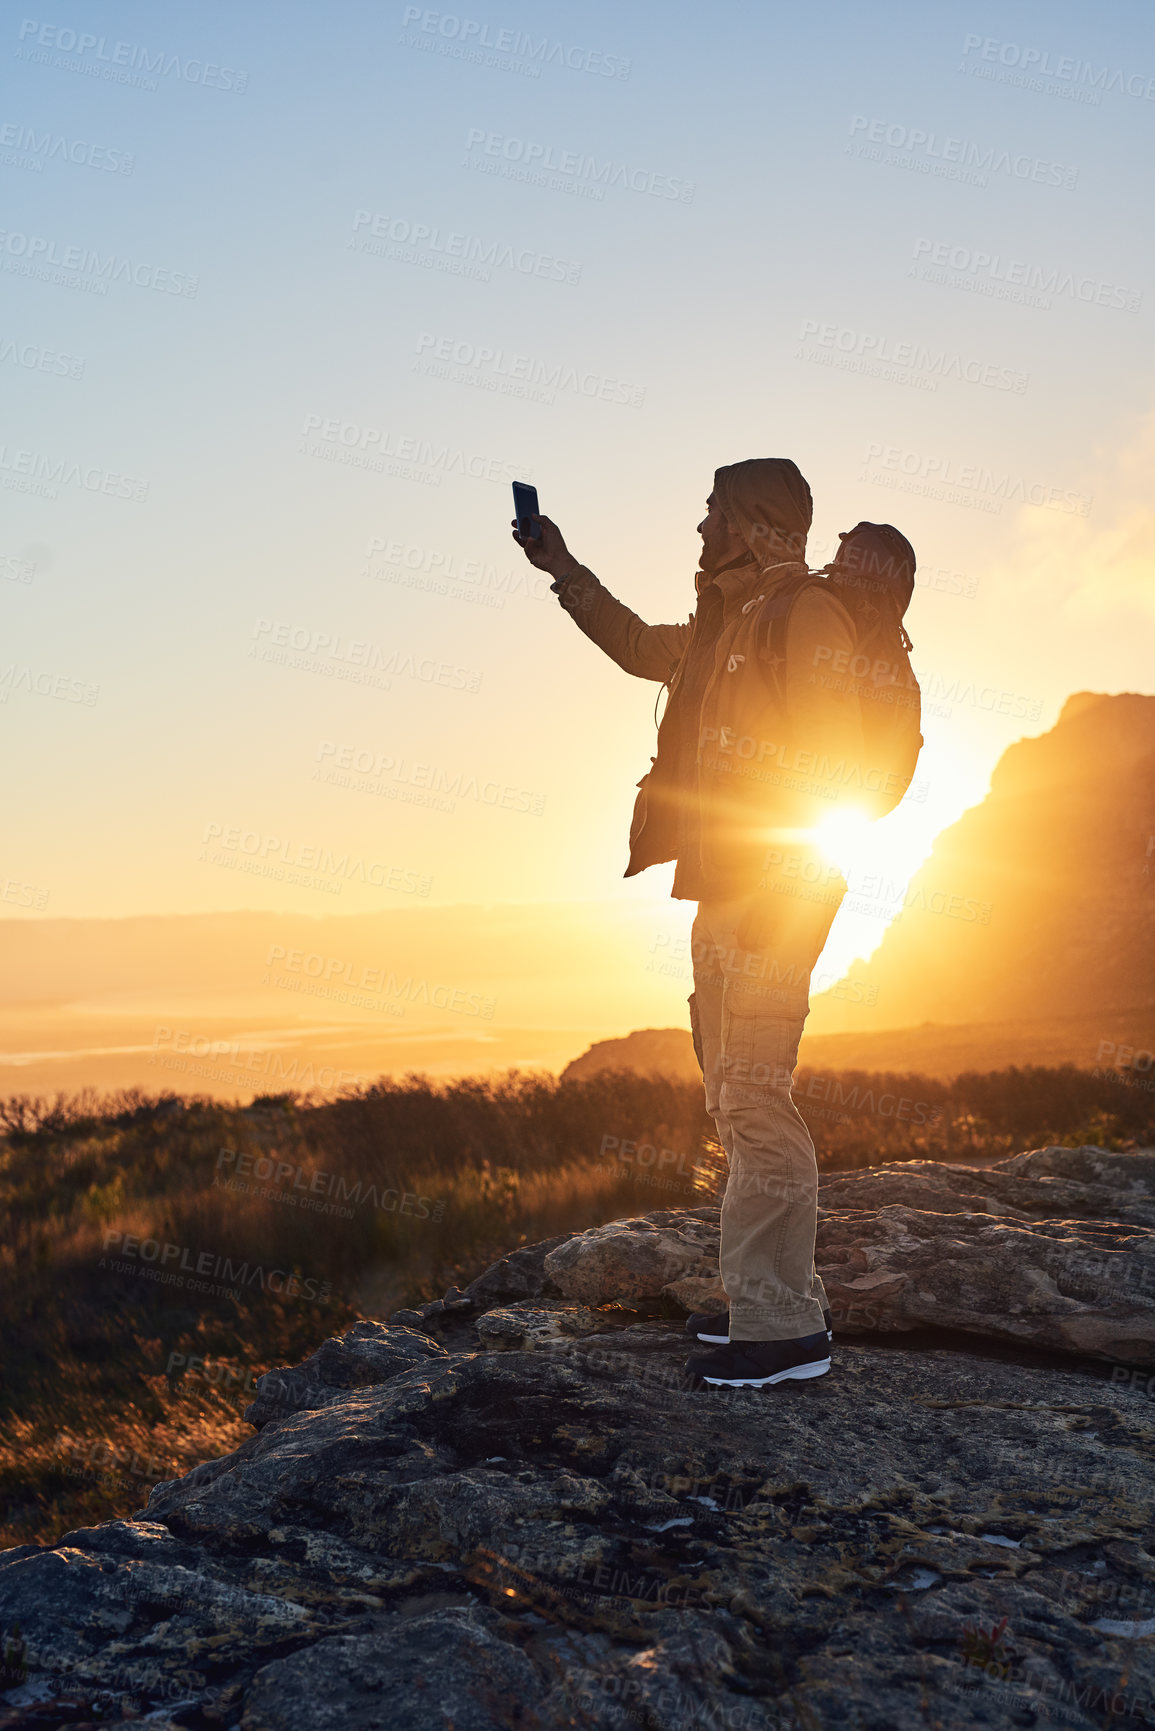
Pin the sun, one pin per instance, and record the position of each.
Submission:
(882, 852)
(846, 838)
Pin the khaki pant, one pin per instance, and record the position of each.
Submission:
(747, 1013)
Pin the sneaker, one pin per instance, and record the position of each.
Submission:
(758, 1363)
(715, 1330)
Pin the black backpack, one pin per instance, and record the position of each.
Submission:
(872, 575)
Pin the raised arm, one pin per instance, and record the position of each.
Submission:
(647, 651)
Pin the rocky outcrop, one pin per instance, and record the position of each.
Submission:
(1047, 1184)
(647, 1052)
(1054, 1249)
(1046, 889)
(632, 1260)
(510, 1509)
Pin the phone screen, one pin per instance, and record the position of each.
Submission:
(525, 507)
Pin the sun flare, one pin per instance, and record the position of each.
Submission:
(845, 838)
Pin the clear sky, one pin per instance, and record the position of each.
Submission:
(361, 264)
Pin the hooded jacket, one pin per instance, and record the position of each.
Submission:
(748, 754)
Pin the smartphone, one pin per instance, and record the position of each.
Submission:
(525, 507)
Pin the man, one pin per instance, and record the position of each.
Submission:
(752, 753)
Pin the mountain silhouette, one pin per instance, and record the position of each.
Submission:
(1038, 906)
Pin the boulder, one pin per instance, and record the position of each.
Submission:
(1046, 1184)
(366, 1354)
(1071, 1286)
(522, 1327)
(521, 1274)
(630, 1261)
(697, 1292)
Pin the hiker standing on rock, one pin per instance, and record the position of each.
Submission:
(761, 740)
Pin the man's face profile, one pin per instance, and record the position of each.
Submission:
(720, 542)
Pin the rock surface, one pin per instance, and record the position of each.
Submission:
(1054, 1249)
(366, 1353)
(1048, 1183)
(630, 1260)
(509, 1509)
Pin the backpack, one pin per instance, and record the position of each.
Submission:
(872, 575)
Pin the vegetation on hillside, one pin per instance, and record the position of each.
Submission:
(159, 1254)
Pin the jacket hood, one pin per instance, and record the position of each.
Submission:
(767, 501)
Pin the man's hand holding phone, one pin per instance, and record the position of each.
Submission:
(546, 549)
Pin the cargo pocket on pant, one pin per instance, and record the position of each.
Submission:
(696, 1032)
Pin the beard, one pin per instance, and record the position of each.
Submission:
(715, 560)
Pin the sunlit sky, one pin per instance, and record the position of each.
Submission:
(793, 253)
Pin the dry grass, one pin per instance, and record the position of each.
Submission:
(260, 1230)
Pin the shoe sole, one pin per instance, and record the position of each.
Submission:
(724, 1339)
(796, 1373)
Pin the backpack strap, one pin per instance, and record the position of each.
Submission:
(773, 623)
